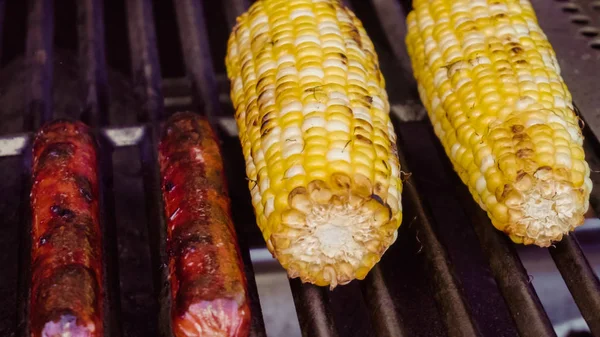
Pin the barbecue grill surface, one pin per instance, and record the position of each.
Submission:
(123, 67)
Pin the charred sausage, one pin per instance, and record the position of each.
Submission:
(66, 252)
(208, 285)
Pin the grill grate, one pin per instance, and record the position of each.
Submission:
(442, 277)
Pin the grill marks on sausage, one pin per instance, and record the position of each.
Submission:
(85, 187)
(56, 152)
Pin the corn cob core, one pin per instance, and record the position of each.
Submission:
(491, 84)
(313, 119)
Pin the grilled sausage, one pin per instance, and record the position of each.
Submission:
(66, 252)
(208, 285)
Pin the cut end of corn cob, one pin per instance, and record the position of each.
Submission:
(542, 207)
(320, 148)
(336, 231)
(491, 84)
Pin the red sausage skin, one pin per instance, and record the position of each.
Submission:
(208, 285)
(66, 252)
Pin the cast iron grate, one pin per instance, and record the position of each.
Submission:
(449, 273)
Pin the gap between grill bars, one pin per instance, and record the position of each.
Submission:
(450, 273)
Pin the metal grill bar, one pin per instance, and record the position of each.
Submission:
(448, 292)
(257, 328)
(197, 57)
(580, 279)
(112, 305)
(385, 320)
(147, 81)
(157, 230)
(93, 76)
(10, 214)
(511, 277)
(92, 62)
(40, 30)
(233, 8)
(314, 314)
(24, 276)
(145, 66)
(438, 191)
(392, 16)
(2, 13)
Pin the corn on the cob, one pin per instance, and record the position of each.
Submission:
(491, 83)
(313, 119)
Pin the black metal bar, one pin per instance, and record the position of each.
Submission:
(580, 278)
(40, 29)
(244, 222)
(92, 61)
(196, 53)
(112, 304)
(234, 8)
(257, 327)
(512, 279)
(314, 315)
(2, 13)
(11, 187)
(157, 230)
(145, 66)
(448, 291)
(392, 17)
(438, 193)
(379, 300)
(24, 276)
(350, 312)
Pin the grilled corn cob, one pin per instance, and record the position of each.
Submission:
(491, 84)
(320, 149)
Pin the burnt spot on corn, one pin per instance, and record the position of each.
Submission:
(524, 153)
(265, 131)
(520, 175)
(378, 188)
(268, 116)
(355, 35)
(300, 190)
(265, 92)
(544, 168)
(520, 137)
(341, 181)
(344, 58)
(516, 50)
(363, 139)
(517, 128)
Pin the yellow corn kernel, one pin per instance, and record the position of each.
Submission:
(517, 143)
(312, 110)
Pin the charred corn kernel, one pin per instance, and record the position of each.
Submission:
(490, 81)
(312, 111)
